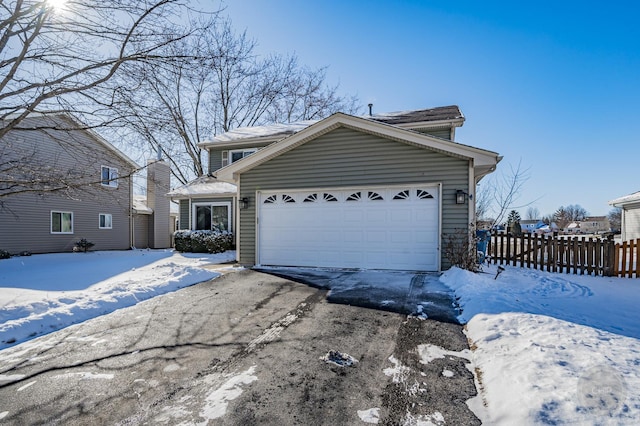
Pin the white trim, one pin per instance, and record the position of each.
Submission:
(51, 231)
(440, 208)
(110, 220)
(236, 219)
(227, 204)
(245, 153)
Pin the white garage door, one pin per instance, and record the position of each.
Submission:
(371, 228)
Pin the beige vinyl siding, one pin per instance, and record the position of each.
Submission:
(141, 231)
(25, 219)
(343, 158)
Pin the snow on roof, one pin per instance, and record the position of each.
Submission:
(278, 129)
(204, 185)
(141, 207)
(286, 129)
(631, 198)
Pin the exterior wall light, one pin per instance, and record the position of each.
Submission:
(244, 203)
(461, 196)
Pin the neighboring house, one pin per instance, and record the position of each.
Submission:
(530, 226)
(95, 202)
(378, 192)
(594, 225)
(573, 228)
(630, 218)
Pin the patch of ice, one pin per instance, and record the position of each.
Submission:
(435, 419)
(430, 352)
(218, 400)
(3, 414)
(372, 415)
(84, 375)
(448, 373)
(398, 372)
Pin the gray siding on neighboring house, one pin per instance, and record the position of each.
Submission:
(345, 157)
(25, 219)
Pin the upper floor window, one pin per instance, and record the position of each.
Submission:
(61, 222)
(229, 157)
(109, 176)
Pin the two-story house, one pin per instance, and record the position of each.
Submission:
(61, 182)
(379, 191)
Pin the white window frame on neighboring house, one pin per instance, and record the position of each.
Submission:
(227, 156)
(110, 179)
(62, 214)
(108, 221)
(194, 212)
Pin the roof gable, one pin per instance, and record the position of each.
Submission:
(484, 161)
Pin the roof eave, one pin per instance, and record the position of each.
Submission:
(456, 122)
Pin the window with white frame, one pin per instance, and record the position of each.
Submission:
(211, 216)
(109, 176)
(229, 157)
(61, 222)
(105, 221)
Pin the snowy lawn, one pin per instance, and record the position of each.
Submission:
(552, 348)
(43, 293)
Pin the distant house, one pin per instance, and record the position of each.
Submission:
(60, 182)
(530, 226)
(630, 224)
(573, 228)
(590, 225)
(595, 225)
(380, 191)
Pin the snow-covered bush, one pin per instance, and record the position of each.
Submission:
(83, 245)
(203, 241)
(4, 254)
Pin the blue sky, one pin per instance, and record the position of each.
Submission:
(555, 86)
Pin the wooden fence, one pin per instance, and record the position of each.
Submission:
(566, 254)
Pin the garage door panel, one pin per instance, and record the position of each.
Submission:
(359, 228)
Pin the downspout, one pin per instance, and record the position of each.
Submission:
(131, 221)
(472, 195)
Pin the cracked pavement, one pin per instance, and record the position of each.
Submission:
(242, 349)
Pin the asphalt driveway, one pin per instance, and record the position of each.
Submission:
(246, 348)
(420, 294)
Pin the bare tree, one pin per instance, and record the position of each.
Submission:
(225, 85)
(500, 193)
(615, 218)
(571, 213)
(533, 213)
(64, 57)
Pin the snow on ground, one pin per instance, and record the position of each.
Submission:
(43, 293)
(552, 348)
